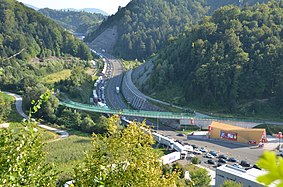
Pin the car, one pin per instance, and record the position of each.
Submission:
(208, 155)
(210, 162)
(180, 142)
(222, 160)
(232, 159)
(245, 163)
(196, 151)
(223, 157)
(237, 166)
(180, 134)
(213, 153)
(194, 146)
(202, 149)
(219, 164)
(191, 155)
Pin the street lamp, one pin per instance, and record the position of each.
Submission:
(128, 102)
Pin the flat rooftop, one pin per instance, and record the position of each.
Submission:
(250, 174)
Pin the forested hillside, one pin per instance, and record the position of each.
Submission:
(233, 56)
(77, 21)
(144, 26)
(24, 30)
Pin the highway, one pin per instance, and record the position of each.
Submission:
(113, 99)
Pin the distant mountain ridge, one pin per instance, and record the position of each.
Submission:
(89, 10)
(76, 21)
(31, 6)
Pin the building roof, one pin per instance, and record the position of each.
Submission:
(224, 126)
(250, 174)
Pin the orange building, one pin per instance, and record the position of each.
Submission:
(237, 134)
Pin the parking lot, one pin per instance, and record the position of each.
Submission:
(245, 152)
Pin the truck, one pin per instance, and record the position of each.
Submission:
(117, 89)
(171, 157)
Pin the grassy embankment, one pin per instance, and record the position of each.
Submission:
(56, 77)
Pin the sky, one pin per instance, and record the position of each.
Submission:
(109, 6)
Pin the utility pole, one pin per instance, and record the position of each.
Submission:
(156, 124)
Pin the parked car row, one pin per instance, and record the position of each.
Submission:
(215, 159)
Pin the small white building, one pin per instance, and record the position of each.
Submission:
(248, 178)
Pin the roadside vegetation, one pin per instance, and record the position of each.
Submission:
(129, 65)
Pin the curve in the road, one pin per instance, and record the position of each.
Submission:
(19, 102)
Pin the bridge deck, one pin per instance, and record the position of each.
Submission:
(126, 112)
(149, 114)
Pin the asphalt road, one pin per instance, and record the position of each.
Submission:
(113, 99)
(19, 102)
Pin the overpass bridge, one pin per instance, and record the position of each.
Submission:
(160, 115)
(127, 112)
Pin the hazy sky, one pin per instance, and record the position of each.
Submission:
(109, 6)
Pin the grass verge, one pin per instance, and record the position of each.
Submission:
(45, 134)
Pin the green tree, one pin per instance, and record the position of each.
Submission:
(122, 158)
(200, 178)
(195, 160)
(22, 159)
(179, 169)
(5, 107)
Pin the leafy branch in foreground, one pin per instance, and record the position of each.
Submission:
(274, 167)
(22, 159)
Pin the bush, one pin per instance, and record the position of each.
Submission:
(195, 160)
(179, 169)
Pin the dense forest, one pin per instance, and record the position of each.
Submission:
(76, 21)
(145, 26)
(235, 55)
(29, 33)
